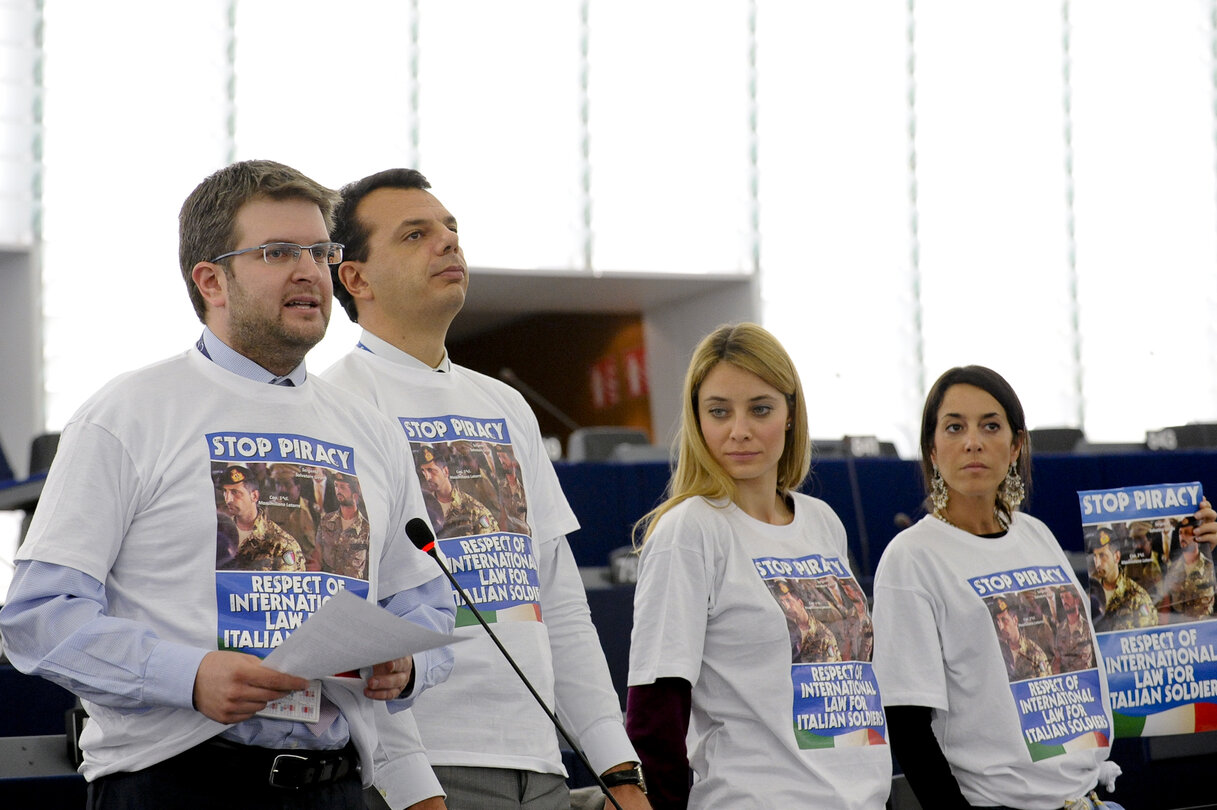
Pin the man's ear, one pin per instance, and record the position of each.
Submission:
(212, 283)
(352, 276)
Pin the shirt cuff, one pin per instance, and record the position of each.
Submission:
(606, 744)
(172, 669)
(407, 780)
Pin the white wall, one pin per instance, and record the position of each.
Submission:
(672, 331)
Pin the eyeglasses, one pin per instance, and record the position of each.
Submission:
(289, 252)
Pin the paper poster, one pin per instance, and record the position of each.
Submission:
(1151, 591)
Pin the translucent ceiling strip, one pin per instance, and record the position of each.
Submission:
(1210, 293)
(412, 156)
(230, 81)
(36, 173)
(18, 103)
(754, 219)
(917, 356)
(1075, 347)
(585, 149)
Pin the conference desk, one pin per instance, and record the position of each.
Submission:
(873, 497)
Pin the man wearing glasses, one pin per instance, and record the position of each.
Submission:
(117, 595)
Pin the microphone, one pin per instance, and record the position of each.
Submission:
(421, 536)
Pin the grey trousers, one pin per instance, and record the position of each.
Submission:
(502, 789)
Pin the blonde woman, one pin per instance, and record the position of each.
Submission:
(742, 580)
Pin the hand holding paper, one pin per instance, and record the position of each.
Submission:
(390, 679)
(349, 633)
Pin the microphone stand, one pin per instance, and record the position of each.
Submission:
(511, 378)
(430, 549)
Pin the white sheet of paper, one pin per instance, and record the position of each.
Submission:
(349, 633)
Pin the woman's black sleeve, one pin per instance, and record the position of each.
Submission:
(657, 720)
(916, 749)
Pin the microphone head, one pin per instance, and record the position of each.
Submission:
(420, 535)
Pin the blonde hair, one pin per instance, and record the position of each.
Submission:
(752, 349)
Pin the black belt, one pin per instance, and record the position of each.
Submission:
(290, 769)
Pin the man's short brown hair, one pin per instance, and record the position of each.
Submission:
(208, 219)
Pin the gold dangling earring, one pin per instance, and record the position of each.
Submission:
(1012, 491)
(938, 494)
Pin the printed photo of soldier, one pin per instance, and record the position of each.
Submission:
(829, 601)
(286, 504)
(454, 512)
(513, 504)
(1037, 618)
(827, 618)
(811, 642)
(1118, 601)
(1073, 640)
(471, 467)
(1188, 582)
(1144, 563)
(1024, 658)
(342, 535)
(261, 544)
(860, 631)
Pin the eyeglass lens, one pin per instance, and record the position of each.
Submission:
(322, 253)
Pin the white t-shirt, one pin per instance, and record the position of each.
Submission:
(778, 719)
(135, 500)
(510, 555)
(1011, 734)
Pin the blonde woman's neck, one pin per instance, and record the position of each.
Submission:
(763, 502)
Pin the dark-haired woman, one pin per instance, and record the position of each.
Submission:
(980, 715)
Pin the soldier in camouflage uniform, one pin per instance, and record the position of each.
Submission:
(1024, 658)
(262, 544)
(1122, 603)
(810, 640)
(459, 514)
(342, 537)
(1074, 641)
(511, 493)
(1143, 565)
(291, 511)
(1190, 580)
(1036, 617)
(472, 467)
(818, 645)
(861, 629)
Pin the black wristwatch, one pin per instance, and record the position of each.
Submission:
(633, 776)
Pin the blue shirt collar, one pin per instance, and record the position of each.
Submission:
(382, 348)
(229, 359)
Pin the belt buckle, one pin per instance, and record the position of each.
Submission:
(290, 771)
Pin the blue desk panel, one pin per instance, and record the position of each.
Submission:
(870, 495)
